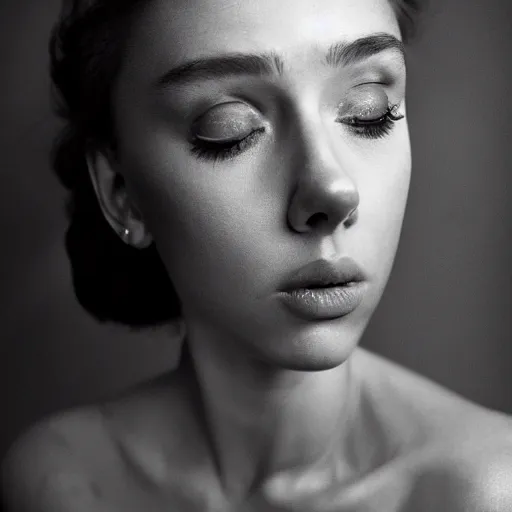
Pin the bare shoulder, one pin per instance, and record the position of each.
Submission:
(460, 451)
(80, 459)
(461, 478)
(106, 456)
(45, 469)
(426, 406)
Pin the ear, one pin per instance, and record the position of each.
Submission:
(117, 207)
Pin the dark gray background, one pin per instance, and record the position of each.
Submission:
(446, 312)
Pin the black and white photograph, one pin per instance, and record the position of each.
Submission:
(256, 256)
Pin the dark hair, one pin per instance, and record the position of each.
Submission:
(407, 13)
(112, 281)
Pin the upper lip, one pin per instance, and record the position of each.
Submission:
(325, 273)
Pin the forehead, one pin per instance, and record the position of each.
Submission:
(168, 32)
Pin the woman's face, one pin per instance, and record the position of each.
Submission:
(320, 136)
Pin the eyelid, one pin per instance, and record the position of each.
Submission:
(368, 101)
(217, 140)
(226, 150)
(235, 117)
(390, 110)
(391, 114)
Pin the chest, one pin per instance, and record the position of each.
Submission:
(387, 492)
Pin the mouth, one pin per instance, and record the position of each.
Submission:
(324, 290)
(329, 285)
(325, 274)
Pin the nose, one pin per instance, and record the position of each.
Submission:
(324, 196)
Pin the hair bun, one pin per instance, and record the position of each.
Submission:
(112, 281)
(75, 7)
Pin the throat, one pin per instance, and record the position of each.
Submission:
(260, 427)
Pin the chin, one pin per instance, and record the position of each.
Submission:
(313, 364)
(323, 346)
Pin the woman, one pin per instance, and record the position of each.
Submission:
(256, 156)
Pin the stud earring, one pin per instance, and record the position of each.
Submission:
(126, 236)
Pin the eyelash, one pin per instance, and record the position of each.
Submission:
(223, 150)
(372, 129)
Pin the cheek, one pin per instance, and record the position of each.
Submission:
(205, 221)
(385, 181)
(384, 194)
(216, 222)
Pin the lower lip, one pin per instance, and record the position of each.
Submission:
(324, 303)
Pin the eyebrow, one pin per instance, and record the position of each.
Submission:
(271, 64)
(345, 54)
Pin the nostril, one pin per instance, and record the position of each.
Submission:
(317, 219)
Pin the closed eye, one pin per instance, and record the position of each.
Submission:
(217, 149)
(373, 128)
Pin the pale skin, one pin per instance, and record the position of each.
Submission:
(273, 413)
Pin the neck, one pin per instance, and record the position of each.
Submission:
(263, 421)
